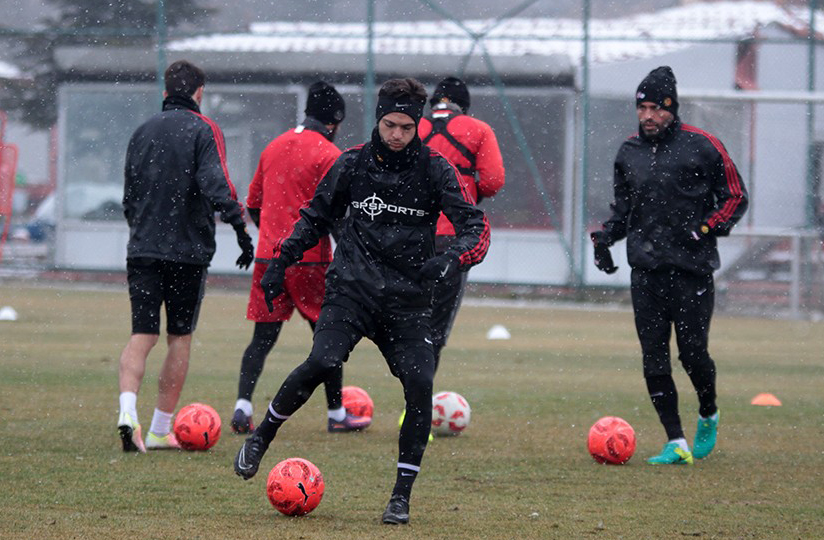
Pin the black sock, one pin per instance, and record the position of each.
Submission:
(664, 398)
(263, 339)
(703, 379)
(269, 427)
(403, 482)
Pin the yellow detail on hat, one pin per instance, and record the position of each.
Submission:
(667, 101)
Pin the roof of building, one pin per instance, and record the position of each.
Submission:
(533, 50)
(633, 37)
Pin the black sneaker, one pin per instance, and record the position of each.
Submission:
(397, 511)
(248, 457)
(242, 424)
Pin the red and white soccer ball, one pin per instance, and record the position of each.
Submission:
(197, 427)
(295, 486)
(357, 402)
(611, 440)
(450, 413)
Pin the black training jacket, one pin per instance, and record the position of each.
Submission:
(175, 181)
(666, 189)
(389, 227)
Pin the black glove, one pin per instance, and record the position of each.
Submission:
(702, 231)
(603, 259)
(440, 266)
(247, 248)
(272, 282)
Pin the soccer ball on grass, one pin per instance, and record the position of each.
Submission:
(357, 402)
(197, 427)
(611, 440)
(450, 413)
(295, 486)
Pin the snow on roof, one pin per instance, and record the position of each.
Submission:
(638, 36)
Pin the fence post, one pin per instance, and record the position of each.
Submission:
(795, 277)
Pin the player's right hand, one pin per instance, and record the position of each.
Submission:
(603, 258)
(272, 282)
(247, 250)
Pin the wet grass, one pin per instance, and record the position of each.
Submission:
(520, 471)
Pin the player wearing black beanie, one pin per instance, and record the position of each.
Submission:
(659, 87)
(676, 192)
(325, 104)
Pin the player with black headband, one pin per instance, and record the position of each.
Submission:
(289, 170)
(389, 193)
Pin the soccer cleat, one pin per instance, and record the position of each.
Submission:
(349, 423)
(248, 457)
(241, 424)
(130, 434)
(397, 511)
(672, 454)
(705, 436)
(166, 442)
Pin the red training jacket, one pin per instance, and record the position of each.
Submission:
(480, 140)
(289, 170)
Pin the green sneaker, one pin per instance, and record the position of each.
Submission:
(672, 454)
(705, 436)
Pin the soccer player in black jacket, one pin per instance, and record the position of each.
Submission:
(389, 193)
(676, 191)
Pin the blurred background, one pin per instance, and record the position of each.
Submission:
(555, 79)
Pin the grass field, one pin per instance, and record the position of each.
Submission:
(520, 471)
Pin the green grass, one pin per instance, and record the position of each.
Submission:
(521, 470)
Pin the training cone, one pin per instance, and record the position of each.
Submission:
(766, 400)
(498, 331)
(7, 313)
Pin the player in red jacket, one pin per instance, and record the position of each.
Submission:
(471, 146)
(290, 168)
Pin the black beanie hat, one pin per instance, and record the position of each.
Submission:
(659, 88)
(454, 89)
(325, 104)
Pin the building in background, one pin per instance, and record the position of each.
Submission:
(257, 80)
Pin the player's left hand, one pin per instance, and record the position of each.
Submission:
(440, 266)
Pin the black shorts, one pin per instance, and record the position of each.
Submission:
(394, 332)
(179, 286)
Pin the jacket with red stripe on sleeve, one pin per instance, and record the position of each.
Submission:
(175, 180)
(673, 196)
(476, 154)
(388, 229)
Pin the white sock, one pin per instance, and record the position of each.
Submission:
(128, 404)
(244, 405)
(161, 422)
(682, 443)
(338, 415)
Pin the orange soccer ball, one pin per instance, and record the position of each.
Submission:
(197, 427)
(357, 402)
(295, 486)
(611, 440)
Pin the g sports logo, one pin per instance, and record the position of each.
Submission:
(373, 206)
